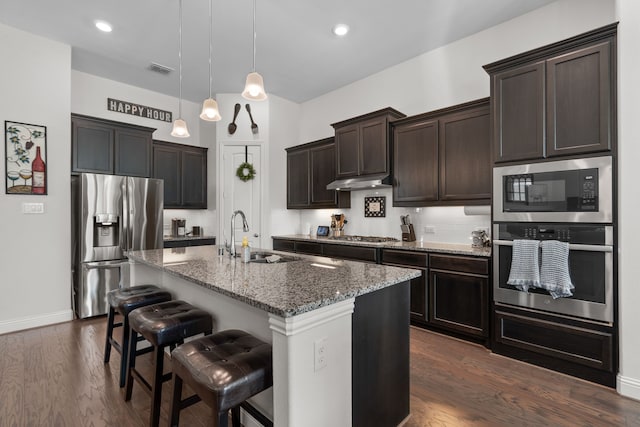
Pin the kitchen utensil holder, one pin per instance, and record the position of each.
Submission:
(408, 233)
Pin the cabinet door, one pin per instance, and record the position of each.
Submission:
(518, 113)
(323, 172)
(458, 302)
(347, 149)
(92, 146)
(194, 178)
(415, 164)
(418, 304)
(298, 179)
(166, 166)
(465, 156)
(373, 147)
(579, 101)
(132, 152)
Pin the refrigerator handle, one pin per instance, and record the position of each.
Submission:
(124, 232)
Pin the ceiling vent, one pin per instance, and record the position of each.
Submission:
(161, 69)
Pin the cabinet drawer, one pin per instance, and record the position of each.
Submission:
(413, 259)
(460, 264)
(308, 248)
(283, 245)
(567, 342)
(358, 253)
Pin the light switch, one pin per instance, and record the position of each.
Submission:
(33, 208)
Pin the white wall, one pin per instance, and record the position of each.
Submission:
(628, 203)
(36, 256)
(443, 77)
(89, 95)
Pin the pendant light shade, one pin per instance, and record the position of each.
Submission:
(210, 111)
(254, 87)
(180, 126)
(180, 129)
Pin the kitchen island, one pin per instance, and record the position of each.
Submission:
(339, 329)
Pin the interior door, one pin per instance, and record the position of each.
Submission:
(241, 195)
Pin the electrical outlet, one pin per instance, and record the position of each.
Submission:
(320, 354)
(430, 229)
(32, 208)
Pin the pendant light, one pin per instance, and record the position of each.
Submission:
(210, 110)
(254, 88)
(180, 126)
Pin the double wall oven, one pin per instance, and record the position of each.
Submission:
(569, 201)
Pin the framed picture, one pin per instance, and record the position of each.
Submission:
(374, 206)
(25, 158)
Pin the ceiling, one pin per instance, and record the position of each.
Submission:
(296, 52)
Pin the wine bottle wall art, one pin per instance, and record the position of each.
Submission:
(25, 158)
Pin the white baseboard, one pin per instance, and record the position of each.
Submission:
(45, 319)
(629, 387)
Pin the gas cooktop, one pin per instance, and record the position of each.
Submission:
(369, 239)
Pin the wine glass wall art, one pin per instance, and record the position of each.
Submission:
(25, 158)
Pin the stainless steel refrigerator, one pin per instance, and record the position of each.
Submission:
(111, 215)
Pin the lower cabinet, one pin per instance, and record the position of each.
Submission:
(582, 349)
(418, 301)
(459, 294)
(357, 253)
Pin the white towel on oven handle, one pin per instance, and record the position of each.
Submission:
(554, 271)
(525, 269)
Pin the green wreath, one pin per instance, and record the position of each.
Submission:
(246, 172)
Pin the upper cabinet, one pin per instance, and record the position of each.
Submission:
(104, 146)
(443, 157)
(310, 167)
(362, 144)
(184, 171)
(558, 100)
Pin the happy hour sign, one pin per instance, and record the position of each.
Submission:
(138, 110)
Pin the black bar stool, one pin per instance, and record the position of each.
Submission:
(166, 324)
(124, 301)
(224, 369)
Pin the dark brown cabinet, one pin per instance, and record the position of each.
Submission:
(443, 157)
(362, 144)
(104, 146)
(418, 292)
(184, 171)
(459, 294)
(310, 167)
(558, 100)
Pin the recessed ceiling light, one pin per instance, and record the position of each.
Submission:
(103, 26)
(340, 29)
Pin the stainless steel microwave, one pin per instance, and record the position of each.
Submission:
(576, 190)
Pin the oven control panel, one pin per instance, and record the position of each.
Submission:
(564, 232)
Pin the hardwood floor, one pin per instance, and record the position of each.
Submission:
(54, 376)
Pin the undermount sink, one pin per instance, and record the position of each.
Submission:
(263, 257)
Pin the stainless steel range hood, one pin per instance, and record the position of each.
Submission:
(361, 182)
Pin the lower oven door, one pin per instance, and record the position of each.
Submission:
(591, 271)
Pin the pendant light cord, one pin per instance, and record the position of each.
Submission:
(254, 36)
(180, 62)
(210, 44)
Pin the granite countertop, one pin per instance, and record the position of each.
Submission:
(180, 238)
(285, 289)
(448, 248)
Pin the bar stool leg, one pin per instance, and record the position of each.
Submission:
(125, 349)
(110, 322)
(223, 419)
(235, 416)
(156, 386)
(176, 403)
(131, 364)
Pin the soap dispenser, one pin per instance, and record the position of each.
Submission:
(246, 251)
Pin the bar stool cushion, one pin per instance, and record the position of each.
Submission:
(225, 368)
(126, 300)
(169, 322)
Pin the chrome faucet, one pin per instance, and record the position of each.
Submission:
(245, 228)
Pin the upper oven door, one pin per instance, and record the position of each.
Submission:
(577, 190)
